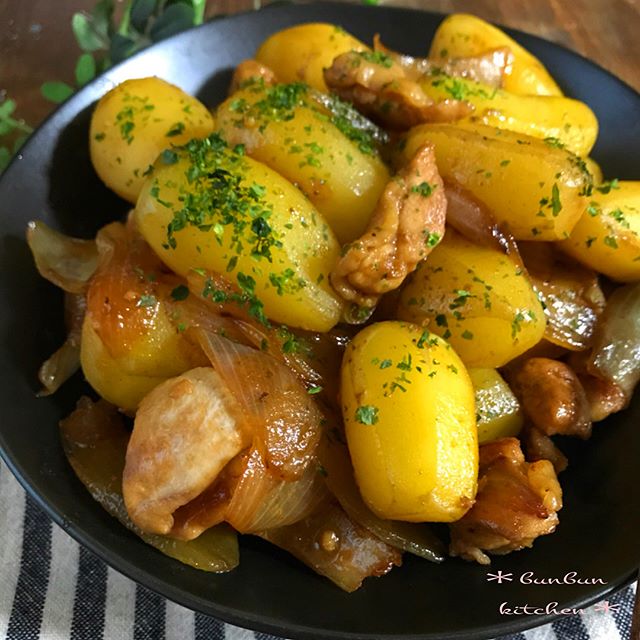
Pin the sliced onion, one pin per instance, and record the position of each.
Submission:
(59, 367)
(473, 220)
(334, 546)
(95, 443)
(616, 346)
(285, 421)
(262, 501)
(67, 262)
(571, 295)
(417, 539)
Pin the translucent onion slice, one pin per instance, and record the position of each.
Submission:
(67, 262)
(262, 501)
(417, 539)
(474, 221)
(58, 368)
(334, 546)
(616, 347)
(570, 293)
(280, 413)
(95, 442)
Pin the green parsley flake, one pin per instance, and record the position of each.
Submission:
(181, 292)
(424, 189)
(376, 57)
(147, 300)
(367, 414)
(175, 130)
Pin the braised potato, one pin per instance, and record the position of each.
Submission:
(210, 207)
(303, 51)
(129, 343)
(461, 35)
(134, 122)
(408, 407)
(334, 163)
(532, 186)
(607, 235)
(570, 122)
(498, 413)
(478, 299)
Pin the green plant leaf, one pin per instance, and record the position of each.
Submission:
(56, 91)
(176, 18)
(89, 37)
(199, 7)
(85, 69)
(141, 11)
(7, 108)
(5, 158)
(123, 46)
(102, 15)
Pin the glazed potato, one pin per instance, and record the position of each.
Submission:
(462, 35)
(532, 186)
(569, 121)
(338, 168)
(498, 412)
(607, 236)
(129, 343)
(207, 206)
(116, 382)
(408, 407)
(134, 122)
(303, 51)
(478, 299)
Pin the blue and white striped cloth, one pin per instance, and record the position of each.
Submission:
(53, 589)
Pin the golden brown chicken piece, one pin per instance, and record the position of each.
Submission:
(604, 397)
(185, 432)
(407, 223)
(488, 68)
(517, 501)
(249, 71)
(380, 89)
(539, 446)
(551, 396)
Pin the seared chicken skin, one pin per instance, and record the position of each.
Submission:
(517, 501)
(551, 396)
(488, 68)
(186, 431)
(407, 223)
(251, 71)
(383, 92)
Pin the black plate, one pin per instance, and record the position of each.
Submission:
(53, 180)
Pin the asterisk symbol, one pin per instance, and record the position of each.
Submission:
(605, 607)
(500, 577)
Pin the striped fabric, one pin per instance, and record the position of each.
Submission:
(53, 589)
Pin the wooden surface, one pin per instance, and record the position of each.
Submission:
(36, 43)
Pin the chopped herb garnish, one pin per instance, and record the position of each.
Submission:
(611, 242)
(424, 189)
(607, 186)
(376, 57)
(169, 156)
(314, 390)
(181, 292)
(175, 130)
(146, 300)
(554, 142)
(367, 414)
